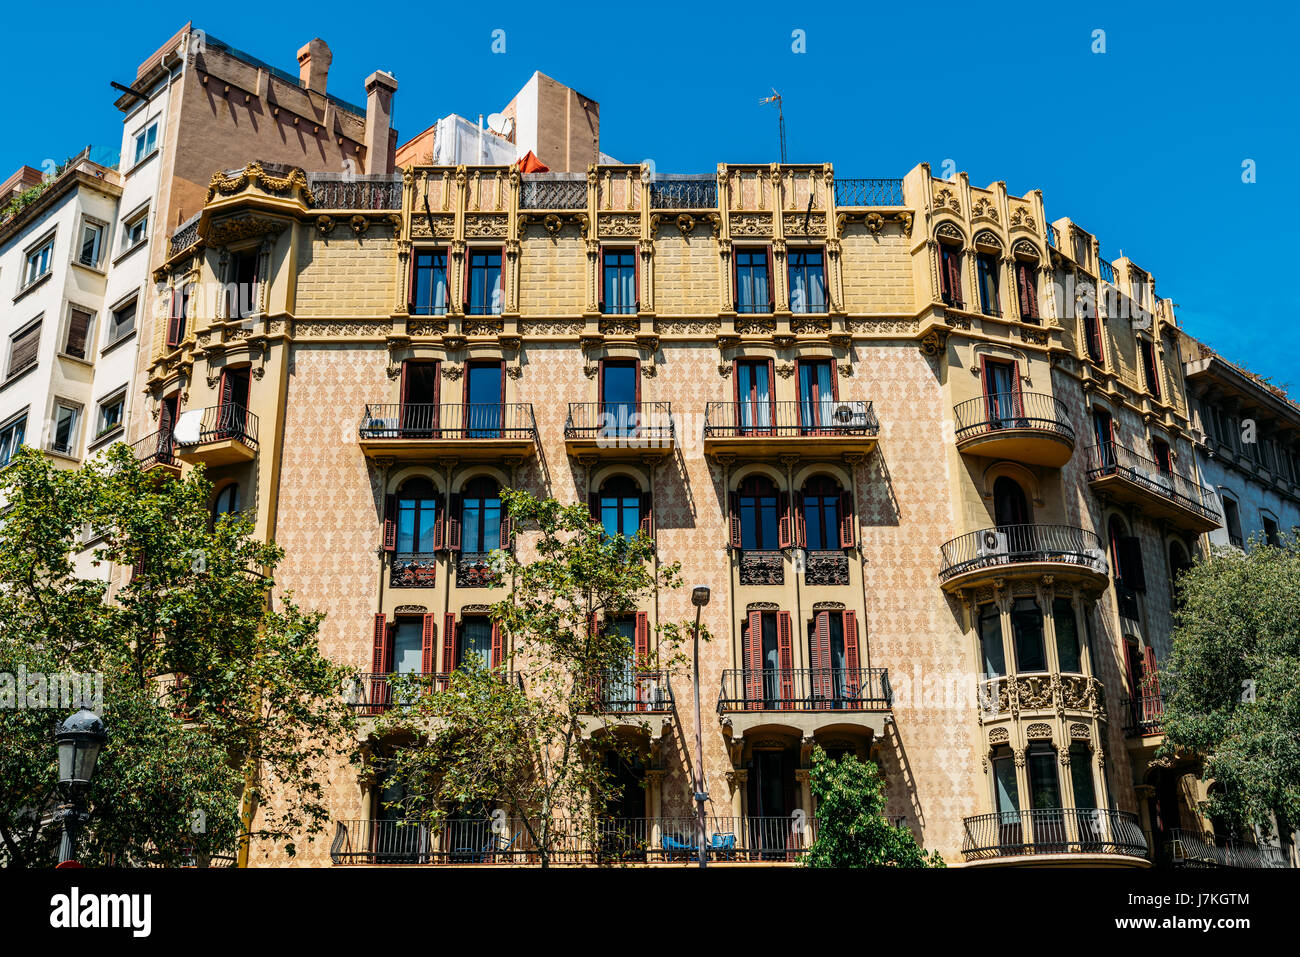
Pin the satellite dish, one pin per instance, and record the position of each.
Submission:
(500, 123)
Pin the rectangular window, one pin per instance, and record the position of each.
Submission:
(475, 641)
(1149, 368)
(817, 394)
(483, 393)
(242, 290)
(1068, 654)
(1044, 786)
(408, 646)
(754, 394)
(429, 283)
(77, 341)
(1270, 532)
(135, 230)
(1027, 628)
(1232, 521)
(484, 295)
(92, 241)
(1027, 289)
(22, 349)
(1103, 430)
(1092, 334)
(753, 281)
(146, 141)
(1164, 460)
(1002, 393)
(111, 411)
(618, 396)
(618, 294)
(180, 313)
(990, 624)
(950, 275)
(64, 438)
(11, 438)
(121, 322)
(38, 262)
(807, 275)
(986, 265)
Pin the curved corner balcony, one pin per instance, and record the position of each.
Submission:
(1069, 553)
(1079, 837)
(1125, 476)
(1024, 427)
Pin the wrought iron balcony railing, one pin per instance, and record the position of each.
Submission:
(635, 691)
(185, 236)
(1053, 238)
(1144, 714)
(790, 418)
(476, 570)
(762, 567)
(869, 192)
(606, 840)
(1021, 544)
(553, 191)
(1112, 458)
(508, 420)
(229, 421)
(1052, 831)
(156, 448)
(684, 192)
(372, 693)
(621, 424)
(1107, 270)
(999, 411)
(805, 689)
(826, 568)
(340, 191)
(1187, 848)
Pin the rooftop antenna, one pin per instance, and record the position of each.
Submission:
(780, 115)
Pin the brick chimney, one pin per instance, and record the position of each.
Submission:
(314, 65)
(380, 87)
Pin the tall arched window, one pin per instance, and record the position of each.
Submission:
(417, 516)
(821, 513)
(227, 502)
(1010, 507)
(481, 516)
(619, 503)
(759, 516)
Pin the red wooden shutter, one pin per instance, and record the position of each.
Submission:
(785, 657)
(465, 285)
(800, 526)
(600, 288)
(751, 652)
(636, 279)
(771, 284)
(853, 682)
(1152, 677)
(390, 523)
(1022, 282)
(785, 533)
(440, 525)
(733, 517)
(506, 533)
(428, 638)
(647, 515)
(642, 640)
(379, 664)
(847, 520)
(1019, 396)
(954, 264)
(448, 643)
(453, 524)
(821, 656)
(498, 644)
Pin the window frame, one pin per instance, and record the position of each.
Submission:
(754, 308)
(16, 423)
(33, 327)
(803, 251)
(43, 248)
(1150, 366)
(622, 309)
(88, 350)
(77, 411)
(101, 230)
(751, 488)
(950, 267)
(133, 300)
(116, 397)
(434, 252)
(987, 267)
(471, 308)
(138, 217)
(141, 138)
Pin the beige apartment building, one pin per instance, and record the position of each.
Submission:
(929, 449)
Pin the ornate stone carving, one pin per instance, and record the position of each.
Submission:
(751, 224)
(810, 325)
(325, 225)
(944, 200)
(983, 209)
(934, 343)
(755, 325)
(1039, 731)
(1023, 219)
(253, 174)
(619, 225)
(490, 226)
(999, 735)
(426, 327)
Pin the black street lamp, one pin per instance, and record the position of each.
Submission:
(699, 598)
(81, 736)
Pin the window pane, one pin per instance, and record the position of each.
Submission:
(476, 640)
(408, 648)
(1067, 635)
(990, 625)
(1044, 786)
(1027, 626)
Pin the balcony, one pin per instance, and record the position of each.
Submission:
(226, 435)
(1123, 475)
(371, 694)
(421, 431)
(558, 191)
(619, 430)
(807, 699)
(1144, 716)
(762, 568)
(1055, 837)
(610, 841)
(1024, 427)
(1070, 553)
(636, 692)
(868, 192)
(157, 451)
(344, 191)
(758, 429)
(1190, 849)
(684, 192)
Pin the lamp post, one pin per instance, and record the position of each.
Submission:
(699, 598)
(80, 737)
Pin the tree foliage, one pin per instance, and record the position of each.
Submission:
(851, 826)
(1232, 682)
(257, 702)
(531, 737)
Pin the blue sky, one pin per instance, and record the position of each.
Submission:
(1143, 145)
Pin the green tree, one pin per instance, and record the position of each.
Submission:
(536, 746)
(253, 703)
(1232, 681)
(851, 826)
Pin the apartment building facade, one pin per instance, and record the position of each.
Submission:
(931, 452)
